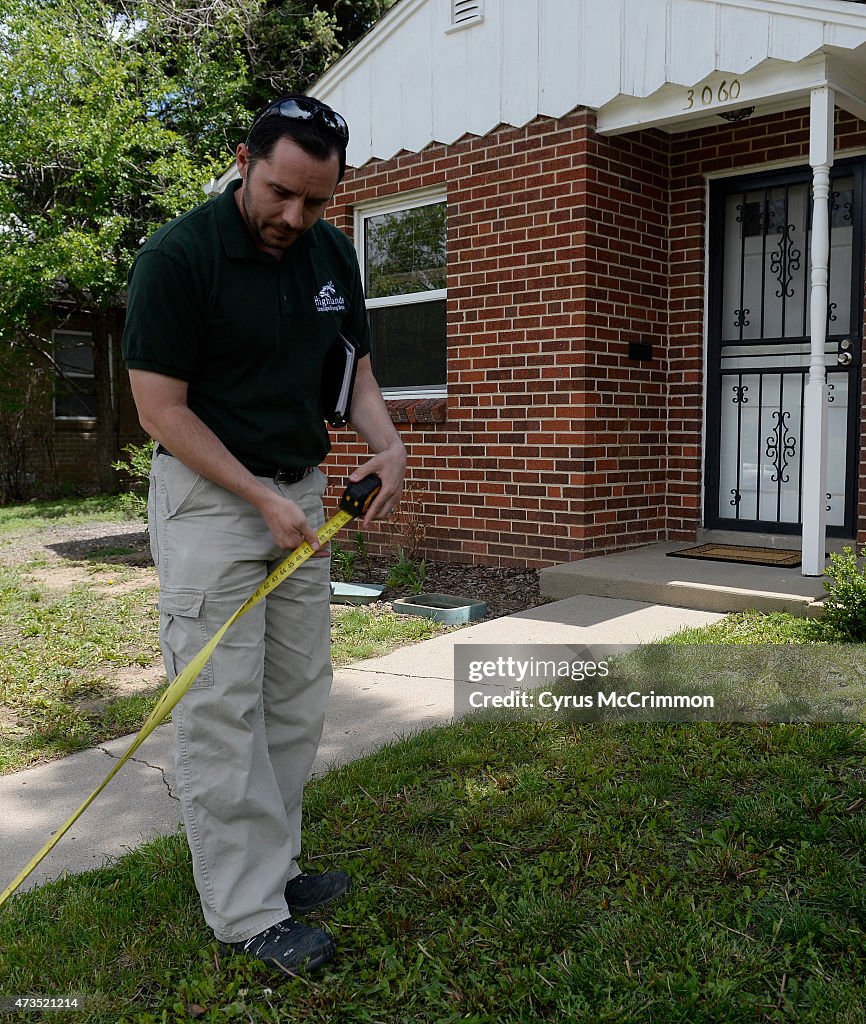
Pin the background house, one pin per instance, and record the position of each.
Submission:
(66, 409)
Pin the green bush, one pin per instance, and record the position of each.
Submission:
(845, 605)
(136, 469)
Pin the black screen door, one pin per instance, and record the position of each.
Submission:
(759, 349)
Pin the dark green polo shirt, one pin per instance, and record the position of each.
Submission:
(246, 330)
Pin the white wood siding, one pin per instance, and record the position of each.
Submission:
(691, 49)
(414, 80)
(560, 56)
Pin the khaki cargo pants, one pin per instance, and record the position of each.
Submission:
(247, 731)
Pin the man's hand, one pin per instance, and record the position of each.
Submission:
(390, 466)
(288, 524)
(372, 421)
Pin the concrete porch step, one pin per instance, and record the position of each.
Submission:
(647, 574)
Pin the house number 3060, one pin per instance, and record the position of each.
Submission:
(708, 95)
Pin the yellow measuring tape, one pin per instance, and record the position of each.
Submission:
(355, 502)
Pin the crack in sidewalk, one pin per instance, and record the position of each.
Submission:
(395, 675)
(147, 764)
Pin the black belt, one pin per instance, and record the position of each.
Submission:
(279, 476)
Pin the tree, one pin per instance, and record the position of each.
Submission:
(105, 132)
(284, 44)
(113, 113)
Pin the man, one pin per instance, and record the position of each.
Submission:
(231, 310)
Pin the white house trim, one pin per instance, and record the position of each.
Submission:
(630, 60)
(676, 108)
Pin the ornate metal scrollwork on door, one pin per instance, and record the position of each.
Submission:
(847, 205)
(781, 447)
(785, 262)
(740, 396)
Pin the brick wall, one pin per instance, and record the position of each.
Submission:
(622, 468)
(564, 247)
(547, 423)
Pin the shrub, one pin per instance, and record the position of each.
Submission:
(845, 605)
(137, 472)
(406, 572)
(408, 524)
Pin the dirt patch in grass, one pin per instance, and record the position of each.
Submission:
(137, 679)
(62, 576)
(108, 540)
(126, 682)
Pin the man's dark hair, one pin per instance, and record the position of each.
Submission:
(313, 135)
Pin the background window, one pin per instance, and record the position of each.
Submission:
(404, 258)
(74, 387)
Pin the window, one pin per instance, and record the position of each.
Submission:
(75, 387)
(403, 252)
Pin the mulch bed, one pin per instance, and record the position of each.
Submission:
(504, 591)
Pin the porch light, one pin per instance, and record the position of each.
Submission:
(739, 115)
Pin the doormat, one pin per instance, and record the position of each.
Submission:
(739, 553)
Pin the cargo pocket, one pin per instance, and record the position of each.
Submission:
(183, 632)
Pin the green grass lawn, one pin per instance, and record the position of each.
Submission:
(521, 873)
(511, 872)
(36, 515)
(757, 628)
(59, 655)
(61, 651)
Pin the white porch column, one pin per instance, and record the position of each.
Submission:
(815, 411)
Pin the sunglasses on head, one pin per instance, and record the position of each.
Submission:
(304, 109)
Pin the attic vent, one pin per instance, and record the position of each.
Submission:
(466, 12)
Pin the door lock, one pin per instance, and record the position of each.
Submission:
(844, 358)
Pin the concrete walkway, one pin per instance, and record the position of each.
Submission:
(373, 702)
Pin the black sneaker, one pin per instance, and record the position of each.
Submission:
(306, 892)
(290, 947)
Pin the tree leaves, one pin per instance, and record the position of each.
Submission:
(105, 132)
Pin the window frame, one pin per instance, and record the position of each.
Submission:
(71, 374)
(393, 204)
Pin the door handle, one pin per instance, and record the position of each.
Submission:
(844, 358)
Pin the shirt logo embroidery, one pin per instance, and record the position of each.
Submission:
(329, 300)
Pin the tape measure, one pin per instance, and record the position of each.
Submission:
(355, 502)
